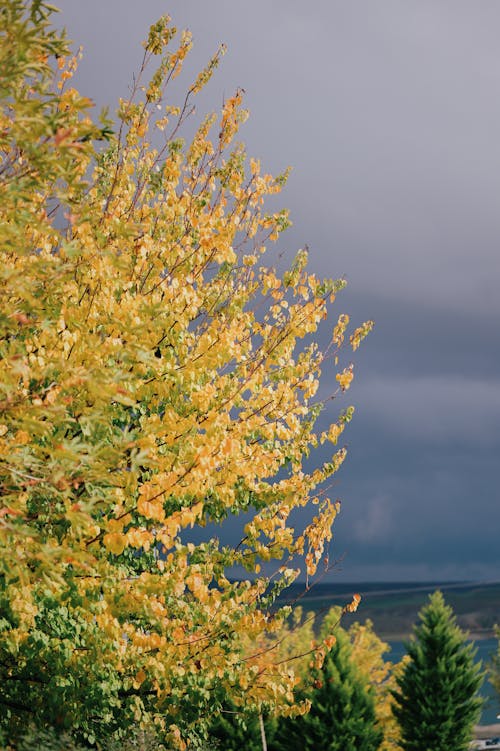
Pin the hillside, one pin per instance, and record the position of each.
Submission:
(393, 607)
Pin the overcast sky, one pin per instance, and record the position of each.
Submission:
(389, 113)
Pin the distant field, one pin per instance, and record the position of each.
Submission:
(393, 607)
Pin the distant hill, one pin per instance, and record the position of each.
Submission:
(393, 607)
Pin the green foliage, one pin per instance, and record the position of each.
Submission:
(233, 730)
(43, 740)
(52, 740)
(342, 713)
(437, 700)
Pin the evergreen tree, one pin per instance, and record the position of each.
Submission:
(437, 701)
(342, 714)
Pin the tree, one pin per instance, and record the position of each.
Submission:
(437, 700)
(342, 708)
(155, 376)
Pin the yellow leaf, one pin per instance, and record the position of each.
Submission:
(115, 542)
(140, 677)
(151, 509)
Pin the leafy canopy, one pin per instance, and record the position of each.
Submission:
(155, 376)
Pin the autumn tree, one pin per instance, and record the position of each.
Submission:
(437, 700)
(368, 652)
(155, 376)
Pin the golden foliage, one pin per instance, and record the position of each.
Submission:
(368, 654)
(154, 376)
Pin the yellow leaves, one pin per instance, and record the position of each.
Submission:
(23, 605)
(232, 118)
(175, 738)
(229, 447)
(166, 535)
(243, 681)
(51, 395)
(160, 34)
(311, 563)
(139, 679)
(205, 457)
(270, 281)
(319, 655)
(198, 587)
(360, 333)
(139, 537)
(318, 533)
(189, 516)
(21, 438)
(353, 605)
(368, 655)
(339, 330)
(333, 433)
(255, 166)
(344, 379)
(203, 396)
(178, 634)
(329, 641)
(201, 146)
(152, 494)
(67, 68)
(172, 524)
(309, 386)
(152, 509)
(205, 75)
(115, 542)
(63, 137)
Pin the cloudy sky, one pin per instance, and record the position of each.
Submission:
(389, 113)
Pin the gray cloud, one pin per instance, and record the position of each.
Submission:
(378, 522)
(435, 409)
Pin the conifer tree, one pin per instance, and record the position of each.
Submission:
(437, 700)
(342, 713)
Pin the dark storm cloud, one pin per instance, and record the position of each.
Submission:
(389, 113)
